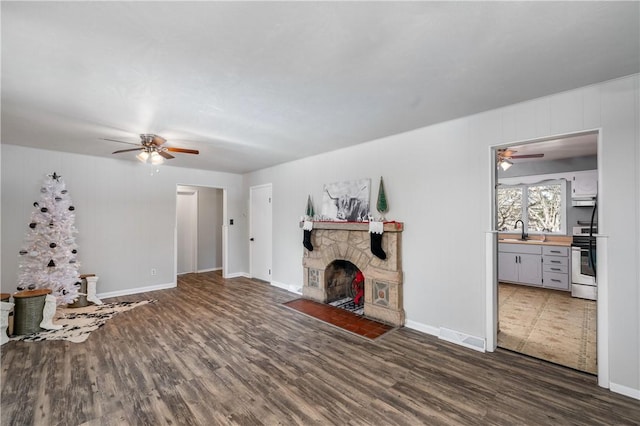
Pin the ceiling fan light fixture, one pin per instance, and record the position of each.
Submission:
(156, 158)
(143, 156)
(505, 164)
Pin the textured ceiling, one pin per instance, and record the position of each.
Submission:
(256, 84)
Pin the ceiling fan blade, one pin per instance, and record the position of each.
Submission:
(166, 155)
(528, 156)
(183, 150)
(128, 150)
(113, 140)
(157, 140)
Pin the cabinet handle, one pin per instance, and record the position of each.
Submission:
(553, 279)
(554, 251)
(555, 269)
(555, 261)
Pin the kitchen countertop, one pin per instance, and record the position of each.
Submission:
(551, 240)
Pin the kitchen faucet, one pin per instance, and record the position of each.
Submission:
(524, 235)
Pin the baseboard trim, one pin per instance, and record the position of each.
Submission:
(209, 270)
(423, 328)
(136, 290)
(289, 288)
(238, 274)
(625, 390)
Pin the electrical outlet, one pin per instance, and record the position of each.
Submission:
(153, 271)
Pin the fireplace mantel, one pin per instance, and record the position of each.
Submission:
(355, 226)
(350, 241)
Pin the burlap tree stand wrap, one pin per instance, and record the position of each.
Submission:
(28, 310)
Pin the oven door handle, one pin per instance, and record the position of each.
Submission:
(581, 250)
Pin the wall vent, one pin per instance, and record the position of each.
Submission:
(471, 342)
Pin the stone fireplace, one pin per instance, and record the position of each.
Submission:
(348, 243)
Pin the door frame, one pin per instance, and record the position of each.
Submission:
(225, 230)
(193, 229)
(251, 189)
(491, 247)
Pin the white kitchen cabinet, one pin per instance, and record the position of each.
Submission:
(508, 269)
(520, 264)
(584, 184)
(556, 268)
(535, 264)
(530, 269)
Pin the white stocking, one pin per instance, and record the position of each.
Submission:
(91, 290)
(4, 321)
(48, 312)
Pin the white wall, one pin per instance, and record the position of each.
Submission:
(209, 226)
(438, 182)
(125, 217)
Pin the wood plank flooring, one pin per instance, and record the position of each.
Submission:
(215, 351)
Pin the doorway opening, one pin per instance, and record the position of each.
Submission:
(545, 191)
(200, 236)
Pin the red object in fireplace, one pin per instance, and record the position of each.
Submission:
(358, 288)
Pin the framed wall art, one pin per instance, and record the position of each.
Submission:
(346, 201)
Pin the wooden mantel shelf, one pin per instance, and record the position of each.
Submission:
(356, 226)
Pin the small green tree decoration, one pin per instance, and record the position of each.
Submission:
(382, 205)
(310, 211)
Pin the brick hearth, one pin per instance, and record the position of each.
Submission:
(349, 241)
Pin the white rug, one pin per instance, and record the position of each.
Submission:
(78, 323)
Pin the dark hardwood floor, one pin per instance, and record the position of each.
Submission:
(215, 351)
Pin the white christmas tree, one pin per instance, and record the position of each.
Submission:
(49, 256)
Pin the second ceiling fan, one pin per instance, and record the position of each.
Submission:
(150, 147)
(506, 154)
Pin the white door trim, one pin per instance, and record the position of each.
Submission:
(193, 229)
(225, 236)
(491, 276)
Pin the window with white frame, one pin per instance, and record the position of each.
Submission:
(541, 206)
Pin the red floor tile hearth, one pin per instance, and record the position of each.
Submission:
(340, 318)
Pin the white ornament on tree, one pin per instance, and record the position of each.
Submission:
(48, 312)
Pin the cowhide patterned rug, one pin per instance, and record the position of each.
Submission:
(78, 323)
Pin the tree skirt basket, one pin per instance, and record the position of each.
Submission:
(28, 310)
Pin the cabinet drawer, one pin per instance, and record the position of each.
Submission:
(555, 251)
(556, 280)
(555, 260)
(519, 248)
(556, 268)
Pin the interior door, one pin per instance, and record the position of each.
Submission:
(187, 231)
(260, 232)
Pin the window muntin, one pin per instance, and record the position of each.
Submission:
(543, 212)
